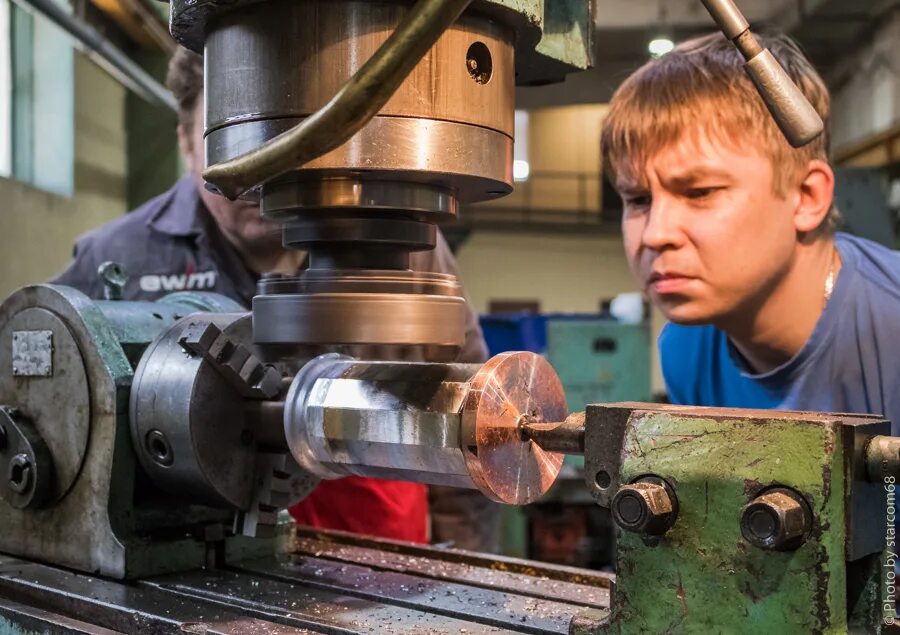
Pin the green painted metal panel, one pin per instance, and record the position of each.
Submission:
(702, 576)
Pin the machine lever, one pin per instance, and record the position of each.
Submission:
(793, 113)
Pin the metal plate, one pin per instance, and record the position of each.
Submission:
(59, 403)
(330, 583)
(540, 580)
(32, 353)
(510, 389)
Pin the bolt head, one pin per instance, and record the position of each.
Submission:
(777, 520)
(20, 473)
(644, 508)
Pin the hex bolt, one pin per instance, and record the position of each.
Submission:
(778, 520)
(645, 508)
(19, 476)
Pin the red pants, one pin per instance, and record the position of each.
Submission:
(386, 509)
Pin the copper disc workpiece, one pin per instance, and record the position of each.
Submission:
(509, 390)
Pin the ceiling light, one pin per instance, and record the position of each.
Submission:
(521, 170)
(660, 46)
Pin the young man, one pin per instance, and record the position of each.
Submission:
(191, 238)
(732, 232)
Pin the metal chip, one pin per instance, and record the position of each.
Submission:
(32, 353)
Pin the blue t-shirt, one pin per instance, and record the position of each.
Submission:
(851, 362)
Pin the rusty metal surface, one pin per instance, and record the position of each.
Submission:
(337, 591)
(701, 576)
(510, 390)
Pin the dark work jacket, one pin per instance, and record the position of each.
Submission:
(172, 243)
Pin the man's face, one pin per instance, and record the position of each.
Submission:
(240, 221)
(705, 233)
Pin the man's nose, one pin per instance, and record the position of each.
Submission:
(664, 225)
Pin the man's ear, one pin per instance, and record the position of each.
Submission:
(816, 196)
(186, 145)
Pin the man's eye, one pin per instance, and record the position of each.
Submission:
(701, 192)
(637, 201)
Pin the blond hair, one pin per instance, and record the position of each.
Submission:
(702, 86)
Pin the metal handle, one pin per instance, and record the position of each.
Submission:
(790, 108)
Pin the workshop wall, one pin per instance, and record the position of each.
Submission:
(866, 88)
(563, 143)
(565, 273)
(39, 228)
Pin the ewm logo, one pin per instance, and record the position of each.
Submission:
(198, 280)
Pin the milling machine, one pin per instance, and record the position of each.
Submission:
(146, 448)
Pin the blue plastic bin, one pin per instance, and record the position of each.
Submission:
(515, 332)
(522, 331)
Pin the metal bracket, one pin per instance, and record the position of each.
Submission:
(26, 466)
(604, 434)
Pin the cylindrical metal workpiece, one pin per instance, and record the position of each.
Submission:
(383, 419)
(442, 424)
(565, 436)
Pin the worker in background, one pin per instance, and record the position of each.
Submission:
(732, 232)
(191, 238)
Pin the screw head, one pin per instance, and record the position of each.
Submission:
(644, 507)
(20, 473)
(778, 520)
